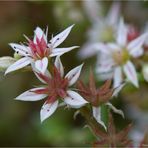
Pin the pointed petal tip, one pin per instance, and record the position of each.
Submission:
(75, 46)
(15, 98)
(82, 64)
(42, 120)
(136, 85)
(74, 74)
(72, 25)
(6, 72)
(10, 44)
(37, 28)
(47, 110)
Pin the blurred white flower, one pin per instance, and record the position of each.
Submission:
(140, 119)
(103, 28)
(56, 86)
(116, 57)
(93, 10)
(39, 50)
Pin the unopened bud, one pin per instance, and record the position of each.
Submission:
(145, 72)
(5, 62)
(17, 56)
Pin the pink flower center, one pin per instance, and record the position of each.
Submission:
(56, 86)
(39, 49)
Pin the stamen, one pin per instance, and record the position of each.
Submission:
(26, 38)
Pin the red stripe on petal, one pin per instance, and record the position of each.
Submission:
(41, 91)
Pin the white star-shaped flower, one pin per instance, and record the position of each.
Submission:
(116, 57)
(56, 86)
(38, 50)
(102, 29)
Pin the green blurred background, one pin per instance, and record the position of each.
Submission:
(19, 121)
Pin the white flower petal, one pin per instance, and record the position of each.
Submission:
(59, 65)
(31, 96)
(60, 51)
(97, 116)
(137, 52)
(18, 64)
(41, 65)
(113, 47)
(135, 45)
(104, 64)
(117, 77)
(58, 39)
(38, 33)
(93, 10)
(74, 74)
(118, 89)
(105, 76)
(113, 14)
(74, 99)
(122, 33)
(118, 111)
(20, 49)
(47, 110)
(87, 51)
(130, 73)
(46, 74)
(102, 47)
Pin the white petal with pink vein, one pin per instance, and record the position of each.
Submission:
(74, 99)
(47, 110)
(18, 64)
(117, 77)
(136, 44)
(41, 65)
(60, 51)
(74, 74)
(38, 33)
(29, 95)
(59, 65)
(59, 38)
(122, 33)
(130, 73)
